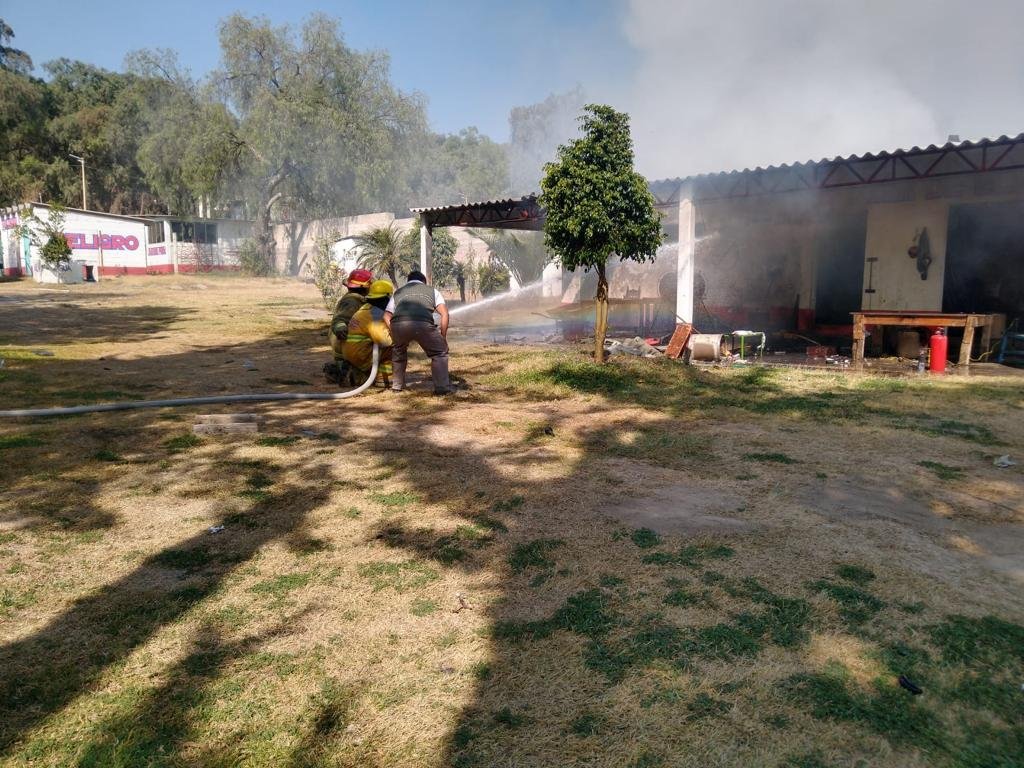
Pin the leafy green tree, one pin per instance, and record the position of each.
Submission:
(190, 155)
(325, 271)
(492, 278)
(443, 267)
(457, 168)
(96, 116)
(12, 59)
(48, 237)
(320, 128)
(598, 206)
(385, 250)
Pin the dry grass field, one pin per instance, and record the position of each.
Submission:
(640, 564)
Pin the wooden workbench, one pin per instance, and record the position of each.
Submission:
(926, 320)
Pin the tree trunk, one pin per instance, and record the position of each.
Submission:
(266, 245)
(600, 314)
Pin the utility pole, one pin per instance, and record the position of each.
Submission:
(81, 160)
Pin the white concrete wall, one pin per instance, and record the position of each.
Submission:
(894, 276)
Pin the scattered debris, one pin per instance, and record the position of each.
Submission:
(549, 431)
(42, 352)
(215, 528)
(838, 360)
(309, 433)
(1004, 461)
(2, 362)
(910, 685)
(678, 342)
(635, 347)
(249, 365)
(463, 603)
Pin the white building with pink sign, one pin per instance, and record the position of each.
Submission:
(107, 244)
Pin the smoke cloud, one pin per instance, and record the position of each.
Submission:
(726, 84)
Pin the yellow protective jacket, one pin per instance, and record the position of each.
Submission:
(364, 329)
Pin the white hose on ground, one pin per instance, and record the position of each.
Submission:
(212, 400)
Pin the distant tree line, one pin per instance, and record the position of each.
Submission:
(292, 124)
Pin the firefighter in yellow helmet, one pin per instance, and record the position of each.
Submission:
(358, 283)
(367, 328)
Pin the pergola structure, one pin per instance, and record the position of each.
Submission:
(523, 213)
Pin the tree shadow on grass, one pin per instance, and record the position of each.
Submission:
(37, 324)
(45, 671)
(584, 664)
(163, 719)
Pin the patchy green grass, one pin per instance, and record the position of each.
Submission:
(279, 587)
(19, 441)
(705, 706)
(645, 538)
(351, 512)
(423, 606)
(534, 554)
(277, 441)
(885, 709)
(587, 724)
(976, 642)
(856, 606)
(974, 433)
(181, 443)
(942, 471)
(107, 455)
(857, 574)
(489, 523)
(12, 600)
(400, 577)
(662, 447)
(510, 504)
(585, 613)
(690, 555)
(507, 718)
(395, 499)
(680, 597)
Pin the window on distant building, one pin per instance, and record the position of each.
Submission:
(155, 232)
(183, 231)
(206, 232)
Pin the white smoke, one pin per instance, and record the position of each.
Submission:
(726, 84)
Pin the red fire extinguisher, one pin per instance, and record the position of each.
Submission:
(938, 346)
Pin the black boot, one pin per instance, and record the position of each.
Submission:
(332, 373)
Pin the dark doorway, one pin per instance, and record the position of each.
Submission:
(840, 257)
(985, 259)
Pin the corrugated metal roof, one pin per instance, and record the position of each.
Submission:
(869, 156)
(476, 204)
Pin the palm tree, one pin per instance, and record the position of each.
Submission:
(521, 253)
(387, 250)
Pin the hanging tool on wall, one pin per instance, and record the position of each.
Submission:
(922, 251)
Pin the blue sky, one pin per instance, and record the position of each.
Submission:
(473, 61)
(710, 85)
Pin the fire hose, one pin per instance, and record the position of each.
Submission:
(133, 405)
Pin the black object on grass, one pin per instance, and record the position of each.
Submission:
(910, 685)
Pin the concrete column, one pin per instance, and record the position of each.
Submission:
(551, 285)
(426, 251)
(685, 263)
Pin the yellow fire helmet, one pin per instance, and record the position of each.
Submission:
(379, 289)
